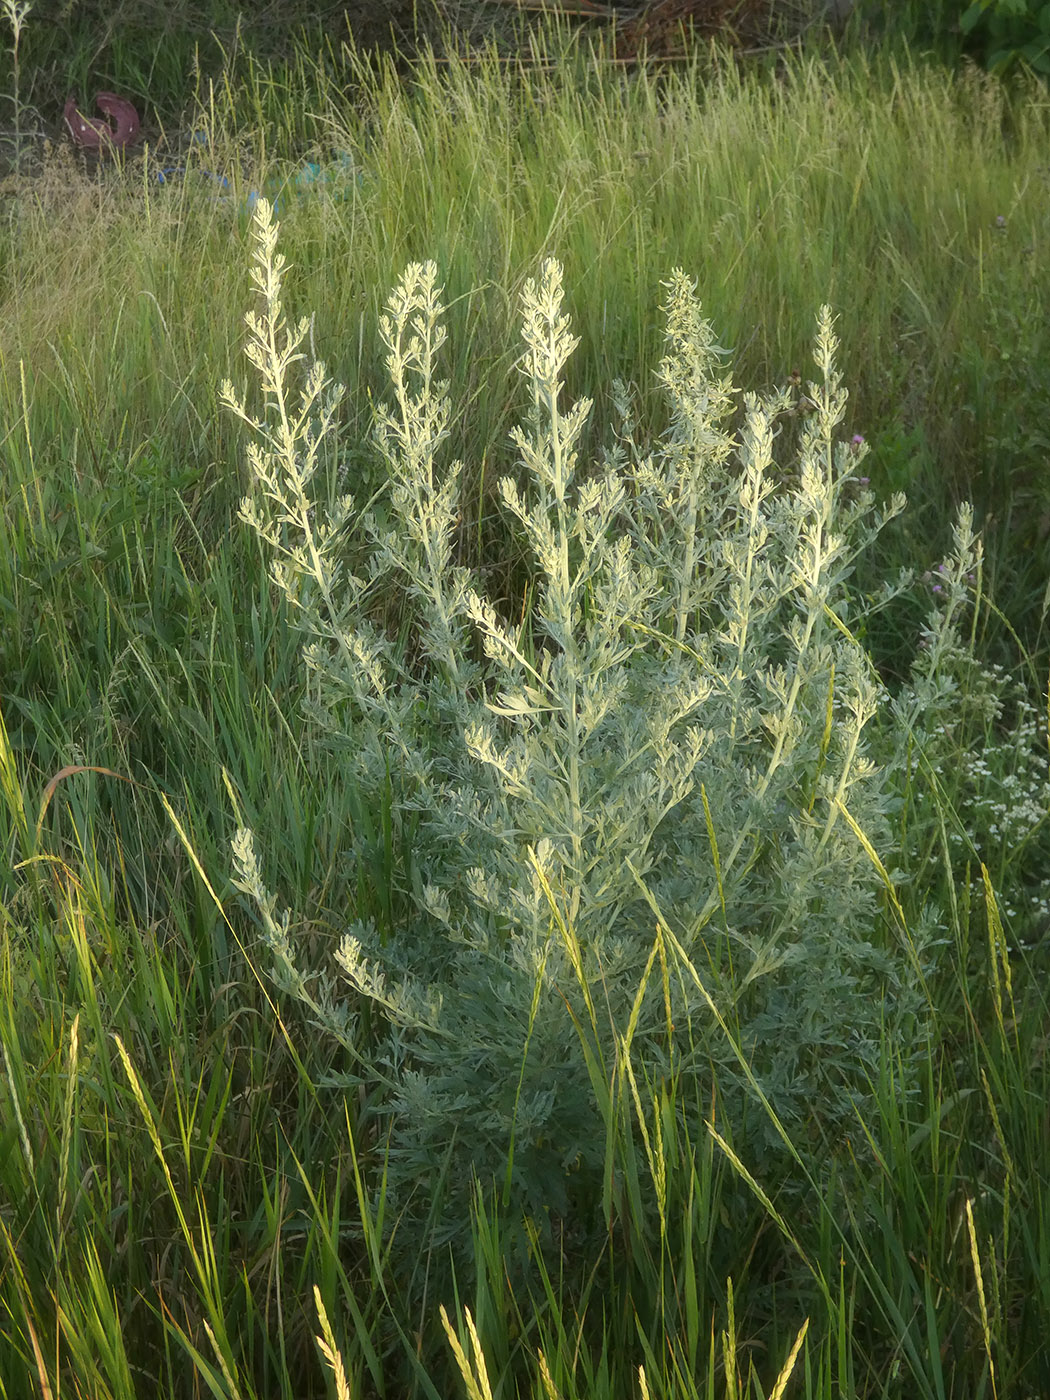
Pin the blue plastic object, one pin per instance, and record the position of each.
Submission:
(332, 179)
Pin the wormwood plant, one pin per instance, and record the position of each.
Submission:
(641, 800)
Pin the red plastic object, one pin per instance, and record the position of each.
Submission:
(94, 134)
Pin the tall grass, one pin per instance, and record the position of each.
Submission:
(909, 196)
(181, 1162)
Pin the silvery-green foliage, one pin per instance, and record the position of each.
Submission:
(678, 723)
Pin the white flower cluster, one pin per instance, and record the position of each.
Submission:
(976, 750)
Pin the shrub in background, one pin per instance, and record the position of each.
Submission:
(1006, 33)
(643, 800)
(1000, 34)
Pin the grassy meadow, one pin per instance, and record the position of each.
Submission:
(202, 1190)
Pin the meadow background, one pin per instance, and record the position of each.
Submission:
(192, 1182)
